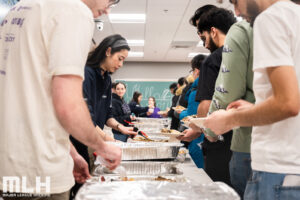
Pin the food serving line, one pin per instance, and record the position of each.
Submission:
(154, 166)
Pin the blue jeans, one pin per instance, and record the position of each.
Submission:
(268, 186)
(240, 171)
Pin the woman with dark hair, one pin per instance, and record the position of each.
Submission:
(107, 58)
(135, 105)
(152, 108)
(120, 110)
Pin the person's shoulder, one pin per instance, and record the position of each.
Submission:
(278, 10)
(215, 55)
(66, 7)
(242, 26)
(89, 72)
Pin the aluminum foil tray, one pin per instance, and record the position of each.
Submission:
(112, 178)
(143, 168)
(153, 120)
(155, 190)
(155, 138)
(149, 150)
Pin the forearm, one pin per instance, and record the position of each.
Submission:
(103, 135)
(267, 112)
(73, 151)
(203, 108)
(72, 112)
(111, 122)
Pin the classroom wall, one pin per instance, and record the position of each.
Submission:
(152, 70)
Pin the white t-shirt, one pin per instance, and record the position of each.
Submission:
(39, 39)
(275, 147)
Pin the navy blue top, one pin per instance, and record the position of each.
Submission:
(137, 109)
(97, 93)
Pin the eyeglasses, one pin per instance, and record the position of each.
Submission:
(112, 3)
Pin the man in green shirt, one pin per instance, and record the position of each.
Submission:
(235, 82)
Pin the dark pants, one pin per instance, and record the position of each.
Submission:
(217, 156)
(83, 151)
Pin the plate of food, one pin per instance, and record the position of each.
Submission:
(179, 108)
(172, 132)
(187, 119)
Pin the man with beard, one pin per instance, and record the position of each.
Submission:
(275, 116)
(235, 81)
(213, 27)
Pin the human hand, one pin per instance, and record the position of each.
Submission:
(189, 135)
(81, 169)
(132, 117)
(195, 127)
(111, 154)
(219, 122)
(239, 104)
(127, 130)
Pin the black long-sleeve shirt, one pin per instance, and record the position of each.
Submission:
(121, 112)
(97, 94)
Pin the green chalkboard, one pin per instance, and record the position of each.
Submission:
(158, 89)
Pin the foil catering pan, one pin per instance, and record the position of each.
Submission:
(143, 168)
(113, 178)
(155, 190)
(149, 150)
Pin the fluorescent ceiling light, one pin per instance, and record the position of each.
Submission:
(127, 18)
(135, 54)
(3, 11)
(192, 55)
(200, 44)
(136, 43)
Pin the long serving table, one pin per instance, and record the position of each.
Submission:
(194, 174)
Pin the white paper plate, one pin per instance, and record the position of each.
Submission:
(198, 121)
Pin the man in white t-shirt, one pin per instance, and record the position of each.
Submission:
(275, 138)
(43, 50)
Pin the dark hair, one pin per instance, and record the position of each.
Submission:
(296, 1)
(173, 86)
(181, 81)
(199, 12)
(113, 85)
(197, 61)
(115, 42)
(220, 18)
(135, 97)
(153, 100)
(118, 83)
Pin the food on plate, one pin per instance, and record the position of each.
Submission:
(165, 130)
(188, 118)
(179, 108)
(170, 132)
